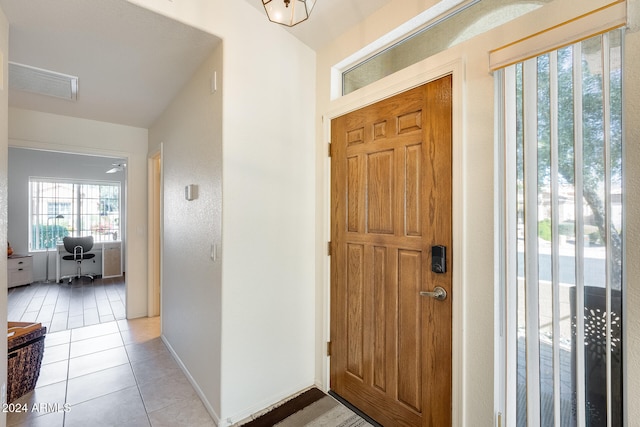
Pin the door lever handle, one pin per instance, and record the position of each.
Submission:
(438, 293)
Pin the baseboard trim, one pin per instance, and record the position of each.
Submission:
(196, 387)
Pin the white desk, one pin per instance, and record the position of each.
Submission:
(108, 253)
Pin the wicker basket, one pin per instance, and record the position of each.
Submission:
(25, 342)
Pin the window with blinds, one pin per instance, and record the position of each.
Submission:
(563, 227)
(60, 208)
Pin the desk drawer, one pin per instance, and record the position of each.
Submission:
(18, 277)
(21, 262)
(19, 271)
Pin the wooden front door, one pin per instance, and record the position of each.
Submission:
(391, 203)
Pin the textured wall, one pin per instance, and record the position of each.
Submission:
(190, 133)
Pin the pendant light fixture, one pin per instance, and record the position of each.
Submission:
(288, 12)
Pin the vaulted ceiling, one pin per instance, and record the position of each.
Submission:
(130, 61)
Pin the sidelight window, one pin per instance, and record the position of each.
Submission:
(563, 257)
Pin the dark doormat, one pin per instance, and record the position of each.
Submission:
(287, 409)
(313, 408)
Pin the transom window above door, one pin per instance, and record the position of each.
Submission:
(463, 23)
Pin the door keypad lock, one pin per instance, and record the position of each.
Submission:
(439, 259)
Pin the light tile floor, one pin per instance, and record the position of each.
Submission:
(116, 373)
(61, 306)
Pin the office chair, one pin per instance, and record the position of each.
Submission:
(78, 248)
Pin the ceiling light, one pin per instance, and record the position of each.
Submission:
(288, 12)
(43, 82)
(117, 167)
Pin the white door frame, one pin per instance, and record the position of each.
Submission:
(155, 232)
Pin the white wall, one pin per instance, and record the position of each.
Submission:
(267, 255)
(4, 103)
(24, 163)
(268, 216)
(474, 194)
(31, 129)
(190, 132)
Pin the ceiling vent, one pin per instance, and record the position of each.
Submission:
(43, 82)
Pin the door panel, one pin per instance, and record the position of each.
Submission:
(391, 202)
(355, 296)
(380, 192)
(409, 328)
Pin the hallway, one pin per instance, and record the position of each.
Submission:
(117, 373)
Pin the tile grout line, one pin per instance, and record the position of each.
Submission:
(135, 377)
(66, 384)
(129, 336)
(68, 379)
(54, 305)
(22, 299)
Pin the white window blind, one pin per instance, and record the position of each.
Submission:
(562, 179)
